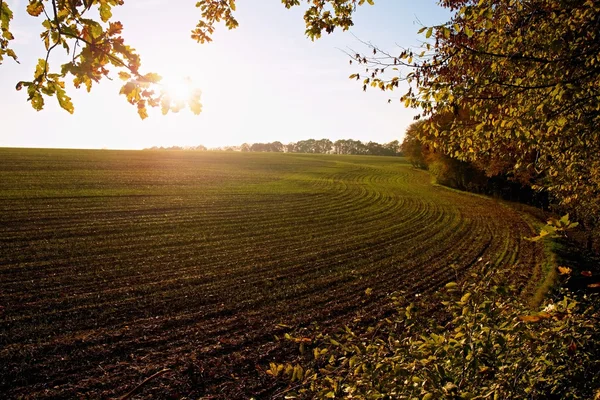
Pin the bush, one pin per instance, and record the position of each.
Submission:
(486, 344)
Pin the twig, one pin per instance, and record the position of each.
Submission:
(77, 39)
(57, 42)
(282, 392)
(138, 387)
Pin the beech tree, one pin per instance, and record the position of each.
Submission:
(527, 75)
(87, 31)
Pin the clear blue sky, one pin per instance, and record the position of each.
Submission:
(264, 81)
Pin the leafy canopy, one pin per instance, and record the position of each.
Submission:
(86, 30)
(522, 80)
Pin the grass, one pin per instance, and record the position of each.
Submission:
(118, 264)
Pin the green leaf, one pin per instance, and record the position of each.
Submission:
(105, 11)
(37, 101)
(63, 99)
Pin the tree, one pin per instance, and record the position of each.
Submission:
(275, 147)
(99, 51)
(412, 147)
(393, 148)
(323, 146)
(527, 74)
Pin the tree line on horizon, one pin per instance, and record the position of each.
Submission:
(308, 146)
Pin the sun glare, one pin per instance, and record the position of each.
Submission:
(179, 93)
(179, 89)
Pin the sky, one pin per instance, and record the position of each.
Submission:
(262, 82)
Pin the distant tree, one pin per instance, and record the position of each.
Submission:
(257, 147)
(245, 147)
(305, 146)
(357, 147)
(276, 147)
(323, 146)
(290, 147)
(375, 149)
(393, 148)
(339, 147)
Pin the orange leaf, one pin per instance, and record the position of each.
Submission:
(594, 285)
(564, 270)
(530, 318)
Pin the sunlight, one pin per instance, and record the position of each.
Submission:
(177, 93)
(178, 89)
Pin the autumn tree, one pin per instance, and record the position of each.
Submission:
(413, 147)
(527, 72)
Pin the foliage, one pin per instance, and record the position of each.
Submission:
(87, 30)
(556, 227)
(274, 147)
(488, 345)
(321, 146)
(412, 146)
(309, 146)
(488, 177)
(526, 75)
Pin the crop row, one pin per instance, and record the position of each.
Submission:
(124, 262)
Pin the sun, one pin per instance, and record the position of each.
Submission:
(177, 93)
(178, 89)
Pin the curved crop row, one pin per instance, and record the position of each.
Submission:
(128, 262)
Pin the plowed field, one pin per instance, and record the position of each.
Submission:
(115, 265)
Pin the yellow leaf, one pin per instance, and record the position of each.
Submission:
(35, 9)
(530, 318)
(143, 113)
(124, 76)
(564, 270)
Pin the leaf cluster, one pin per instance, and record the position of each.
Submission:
(88, 33)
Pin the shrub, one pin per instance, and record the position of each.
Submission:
(483, 344)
